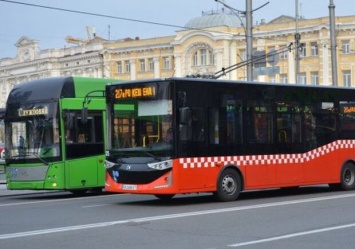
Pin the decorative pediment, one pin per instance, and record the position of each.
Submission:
(25, 41)
(282, 19)
(96, 40)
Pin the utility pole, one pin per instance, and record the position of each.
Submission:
(333, 43)
(297, 44)
(249, 38)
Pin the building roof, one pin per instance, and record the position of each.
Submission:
(215, 19)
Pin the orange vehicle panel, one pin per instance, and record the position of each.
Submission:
(200, 174)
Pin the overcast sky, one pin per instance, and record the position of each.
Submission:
(50, 27)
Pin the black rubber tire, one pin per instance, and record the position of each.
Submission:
(347, 177)
(229, 186)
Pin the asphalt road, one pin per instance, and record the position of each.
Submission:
(304, 218)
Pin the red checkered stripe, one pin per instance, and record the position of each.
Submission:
(251, 160)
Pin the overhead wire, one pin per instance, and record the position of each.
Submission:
(126, 19)
(108, 16)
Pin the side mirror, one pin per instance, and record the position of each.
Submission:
(84, 115)
(68, 119)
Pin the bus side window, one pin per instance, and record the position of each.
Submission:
(87, 137)
(346, 118)
(326, 128)
(309, 127)
(198, 124)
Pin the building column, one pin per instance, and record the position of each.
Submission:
(291, 67)
(233, 60)
(156, 67)
(219, 59)
(133, 69)
(177, 64)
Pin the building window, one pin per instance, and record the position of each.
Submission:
(314, 49)
(203, 57)
(128, 66)
(119, 67)
(346, 78)
(195, 59)
(166, 63)
(142, 65)
(211, 57)
(314, 78)
(345, 47)
(243, 55)
(203, 53)
(283, 78)
(283, 54)
(303, 50)
(151, 65)
(303, 78)
(272, 78)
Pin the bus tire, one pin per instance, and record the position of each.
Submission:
(347, 178)
(228, 185)
(164, 197)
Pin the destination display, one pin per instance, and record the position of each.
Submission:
(33, 111)
(135, 92)
(348, 109)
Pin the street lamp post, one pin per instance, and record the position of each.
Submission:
(249, 38)
(333, 43)
(297, 43)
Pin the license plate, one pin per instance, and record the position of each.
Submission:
(129, 187)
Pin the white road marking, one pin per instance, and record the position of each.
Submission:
(292, 235)
(171, 216)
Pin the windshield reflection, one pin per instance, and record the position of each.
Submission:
(32, 137)
(142, 128)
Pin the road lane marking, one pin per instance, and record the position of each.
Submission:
(292, 235)
(171, 216)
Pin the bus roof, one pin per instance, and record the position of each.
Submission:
(220, 81)
(55, 88)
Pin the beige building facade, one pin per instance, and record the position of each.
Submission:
(209, 43)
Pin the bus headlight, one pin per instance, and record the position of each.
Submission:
(109, 164)
(161, 165)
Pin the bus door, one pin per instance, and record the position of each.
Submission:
(84, 149)
(260, 141)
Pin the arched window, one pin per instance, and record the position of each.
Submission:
(203, 57)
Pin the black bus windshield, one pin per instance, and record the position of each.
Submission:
(32, 133)
(141, 121)
(142, 128)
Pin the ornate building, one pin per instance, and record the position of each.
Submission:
(209, 43)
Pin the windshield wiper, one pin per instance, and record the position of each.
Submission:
(152, 155)
(26, 154)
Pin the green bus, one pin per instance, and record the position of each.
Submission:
(49, 145)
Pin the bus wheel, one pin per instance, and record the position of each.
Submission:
(348, 176)
(228, 186)
(165, 197)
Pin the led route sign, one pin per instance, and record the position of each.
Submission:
(135, 92)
